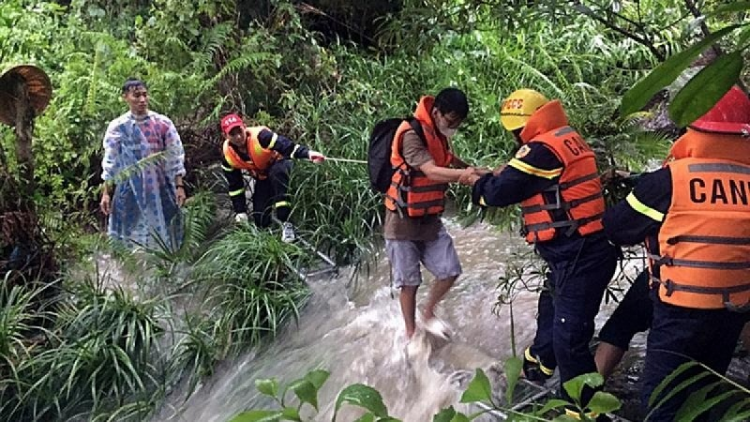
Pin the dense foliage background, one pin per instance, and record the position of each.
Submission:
(322, 72)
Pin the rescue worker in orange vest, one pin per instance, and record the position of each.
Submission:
(413, 229)
(694, 215)
(555, 179)
(265, 156)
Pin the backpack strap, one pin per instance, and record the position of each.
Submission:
(417, 127)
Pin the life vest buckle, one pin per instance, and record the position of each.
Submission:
(670, 286)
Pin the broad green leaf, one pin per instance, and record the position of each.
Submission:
(363, 396)
(574, 386)
(290, 414)
(730, 8)
(706, 88)
(258, 416)
(367, 417)
(268, 387)
(479, 389)
(388, 419)
(513, 368)
(666, 73)
(603, 402)
(305, 392)
(318, 377)
(460, 417)
(697, 403)
(552, 404)
(445, 415)
(668, 380)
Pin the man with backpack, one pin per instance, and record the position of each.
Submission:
(265, 156)
(555, 179)
(421, 159)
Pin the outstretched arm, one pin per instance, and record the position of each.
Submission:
(286, 147)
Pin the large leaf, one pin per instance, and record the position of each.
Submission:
(666, 73)
(445, 415)
(513, 367)
(318, 377)
(367, 417)
(574, 386)
(705, 89)
(268, 387)
(258, 416)
(305, 392)
(363, 396)
(603, 402)
(460, 417)
(551, 404)
(479, 389)
(290, 414)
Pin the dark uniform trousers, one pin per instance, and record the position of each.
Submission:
(567, 307)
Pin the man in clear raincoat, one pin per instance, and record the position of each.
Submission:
(143, 167)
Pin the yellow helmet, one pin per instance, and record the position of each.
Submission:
(519, 106)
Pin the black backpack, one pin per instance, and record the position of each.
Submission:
(379, 152)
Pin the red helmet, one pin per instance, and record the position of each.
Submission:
(731, 115)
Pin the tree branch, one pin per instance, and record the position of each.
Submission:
(690, 4)
(585, 10)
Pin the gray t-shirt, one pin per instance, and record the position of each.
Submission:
(396, 227)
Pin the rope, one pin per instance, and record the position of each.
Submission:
(346, 160)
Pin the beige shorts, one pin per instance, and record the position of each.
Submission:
(438, 256)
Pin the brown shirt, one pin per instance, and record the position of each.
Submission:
(396, 227)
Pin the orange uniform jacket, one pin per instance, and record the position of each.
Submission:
(260, 158)
(578, 191)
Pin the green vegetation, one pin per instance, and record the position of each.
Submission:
(74, 346)
(479, 391)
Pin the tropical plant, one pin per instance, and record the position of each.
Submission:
(478, 392)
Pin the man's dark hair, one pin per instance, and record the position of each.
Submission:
(452, 100)
(133, 83)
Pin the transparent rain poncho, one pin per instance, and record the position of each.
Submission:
(144, 209)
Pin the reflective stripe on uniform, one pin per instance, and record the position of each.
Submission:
(294, 151)
(239, 191)
(282, 204)
(529, 357)
(225, 168)
(718, 168)
(534, 171)
(713, 240)
(644, 209)
(273, 141)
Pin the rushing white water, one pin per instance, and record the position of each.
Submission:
(357, 335)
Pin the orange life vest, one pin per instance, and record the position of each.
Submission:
(410, 189)
(704, 241)
(578, 191)
(261, 159)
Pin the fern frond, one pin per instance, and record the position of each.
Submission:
(138, 167)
